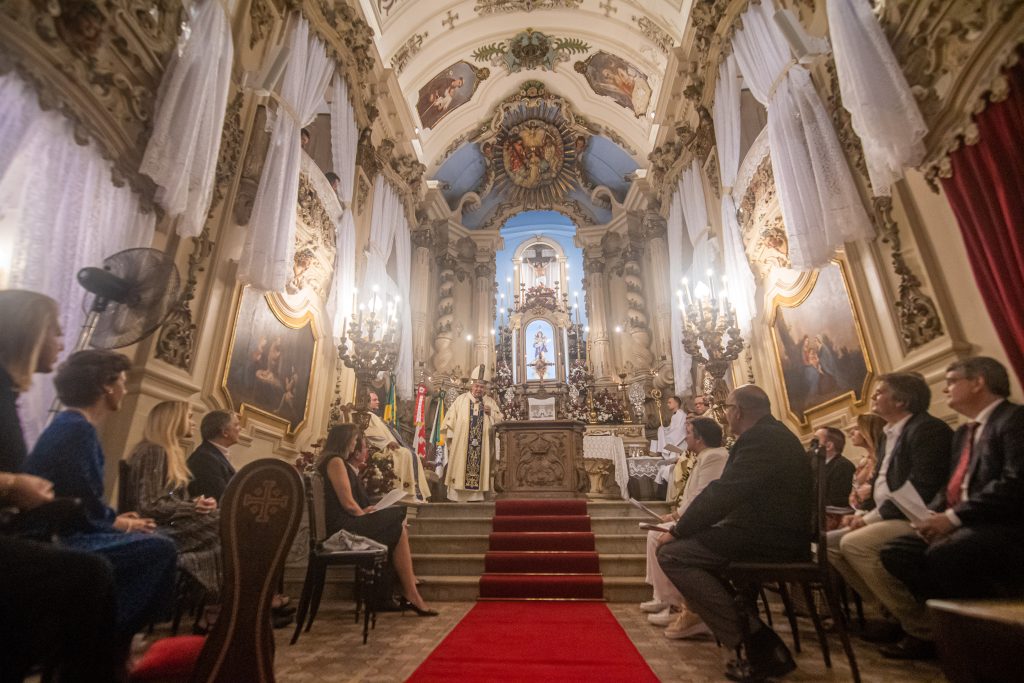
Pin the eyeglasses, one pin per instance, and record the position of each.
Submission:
(953, 380)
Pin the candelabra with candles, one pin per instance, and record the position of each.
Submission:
(369, 346)
(707, 319)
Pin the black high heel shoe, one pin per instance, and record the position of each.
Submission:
(420, 612)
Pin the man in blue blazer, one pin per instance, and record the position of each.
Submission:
(972, 543)
(209, 465)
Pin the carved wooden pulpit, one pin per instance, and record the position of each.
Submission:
(540, 459)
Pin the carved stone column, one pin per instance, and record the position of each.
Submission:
(443, 353)
(419, 296)
(658, 283)
(483, 311)
(596, 287)
(639, 327)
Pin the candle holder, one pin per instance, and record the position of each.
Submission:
(706, 323)
(369, 346)
(626, 412)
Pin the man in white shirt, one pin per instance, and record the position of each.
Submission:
(915, 450)
(672, 435)
(703, 436)
(971, 544)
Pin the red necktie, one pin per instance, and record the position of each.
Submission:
(956, 482)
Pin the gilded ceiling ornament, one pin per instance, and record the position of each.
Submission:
(530, 49)
(484, 7)
(655, 33)
(410, 48)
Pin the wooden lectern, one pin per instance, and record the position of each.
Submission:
(540, 459)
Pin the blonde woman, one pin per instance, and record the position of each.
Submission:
(157, 487)
(30, 341)
(865, 434)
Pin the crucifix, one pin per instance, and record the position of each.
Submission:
(608, 7)
(539, 263)
(449, 20)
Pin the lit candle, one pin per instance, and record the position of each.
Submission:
(352, 311)
(362, 307)
(711, 283)
(686, 290)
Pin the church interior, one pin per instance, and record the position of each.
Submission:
(510, 274)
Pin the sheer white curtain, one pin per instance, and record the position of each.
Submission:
(820, 204)
(681, 360)
(726, 115)
(387, 212)
(695, 216)
(883, 111)
(59, 212)
(181, 156)
(344, 143)
(269, 247)
(403, 264)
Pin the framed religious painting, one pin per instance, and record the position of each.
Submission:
(819, 345)
(270, 364)
(539, 351)
(447, 91)
(614, 77)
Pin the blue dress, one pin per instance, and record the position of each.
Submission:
(68, 453)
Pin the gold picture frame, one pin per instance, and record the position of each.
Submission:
(821, 355)
(270, 368)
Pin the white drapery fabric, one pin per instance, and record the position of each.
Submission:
(882, 109)
(181, 155)
(344, 145)
(695, 216)
(269, 247)
(681, 361)
(726, 115)
(59, 212)
(820, 203)
(389, 230)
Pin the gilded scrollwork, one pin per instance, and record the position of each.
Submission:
(315, 241)
(761, 226)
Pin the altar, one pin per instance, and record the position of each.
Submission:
(540, 459)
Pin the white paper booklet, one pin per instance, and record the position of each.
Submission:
(389, 499)
(646, 509)
(909, 502)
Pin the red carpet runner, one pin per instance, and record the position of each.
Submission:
(536, 641)
(541, 549)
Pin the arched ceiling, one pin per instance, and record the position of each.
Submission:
(422, 39)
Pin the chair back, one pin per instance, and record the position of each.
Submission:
(260, 513)
(316, 508)
(819, 522)
(125, 496)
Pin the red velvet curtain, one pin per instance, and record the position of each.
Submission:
(987, 196)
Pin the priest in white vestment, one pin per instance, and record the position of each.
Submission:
(672, 435)
(468, 426)
(407, 467)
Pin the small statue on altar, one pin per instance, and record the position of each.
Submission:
(540, 346)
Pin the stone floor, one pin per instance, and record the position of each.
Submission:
(333, 650)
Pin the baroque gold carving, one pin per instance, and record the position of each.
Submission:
(100, 64)
(315, 243)
(919, 321)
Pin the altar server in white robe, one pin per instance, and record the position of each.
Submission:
(407, 467)
(469, 425)
(672, 435)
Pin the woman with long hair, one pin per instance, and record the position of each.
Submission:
(348, 507)
(30, 341)
(865, 434)
(91, 384)
(157, 487)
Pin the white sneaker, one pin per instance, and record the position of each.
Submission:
(687, 625)
(662, 618)
(652, 606)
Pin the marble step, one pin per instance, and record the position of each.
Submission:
(477, 525)
(595, 508)
(620, 544)
(462, 564)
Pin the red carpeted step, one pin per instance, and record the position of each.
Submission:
(542, 563)
(540, 540)
(542, 523)
(540, 507)
(550, 586)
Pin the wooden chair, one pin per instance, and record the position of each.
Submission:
(368, 565)
(260, 513)
(809, 575)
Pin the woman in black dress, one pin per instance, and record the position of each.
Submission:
(348, 507)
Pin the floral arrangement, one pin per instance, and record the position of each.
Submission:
(306, 461)
(608, 408)
(579, 380)
(504, 387)
(379, 475)
(540, 296)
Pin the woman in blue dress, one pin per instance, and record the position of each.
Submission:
(91, 384)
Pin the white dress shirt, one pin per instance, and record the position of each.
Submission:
(881, 491)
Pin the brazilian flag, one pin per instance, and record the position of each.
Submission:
(391, 408)
(437, 434)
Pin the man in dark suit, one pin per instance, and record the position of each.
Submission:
(914, 448)
(972, 543)
(759, 509)
(838, 469)
(211, 470)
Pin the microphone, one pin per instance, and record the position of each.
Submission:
(815, 445)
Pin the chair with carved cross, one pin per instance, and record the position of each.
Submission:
(749, 577)
(368, 565)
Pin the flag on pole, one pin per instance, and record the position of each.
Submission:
(391, 409)
(419, 439)
(437, 436)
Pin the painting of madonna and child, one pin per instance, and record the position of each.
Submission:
(271, 361)
(819, 346)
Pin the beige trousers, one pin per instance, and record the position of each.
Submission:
(856, 555)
